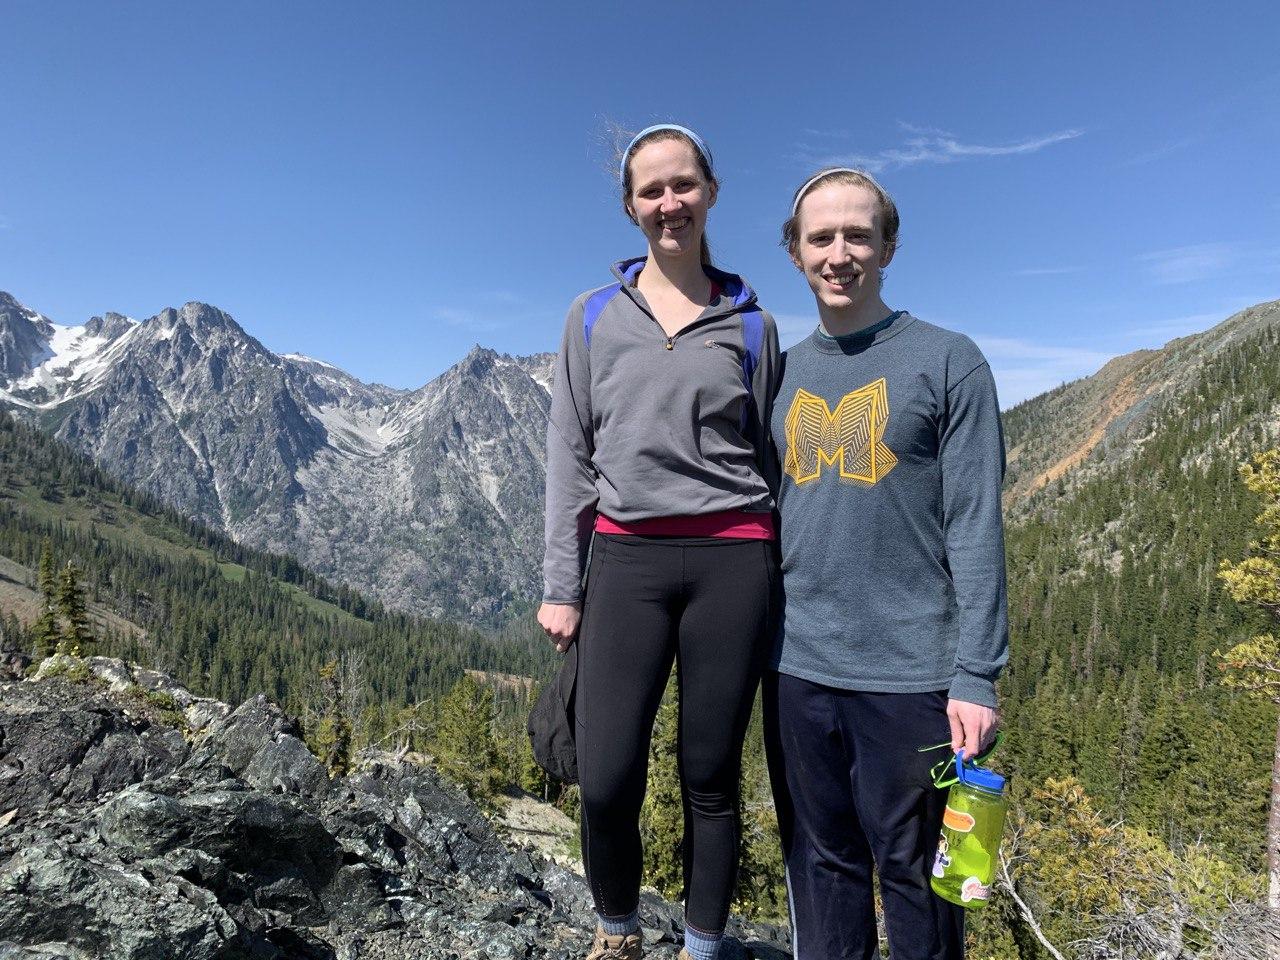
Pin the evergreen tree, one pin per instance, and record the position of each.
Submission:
(464, 744)
(530, 777)
(76, 635)
(46, 631)
(1254, 665)
(331, 740)
(48, 579)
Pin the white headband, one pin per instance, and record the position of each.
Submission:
(698, 144)
(795, 204)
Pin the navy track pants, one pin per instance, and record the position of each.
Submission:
(854, 793)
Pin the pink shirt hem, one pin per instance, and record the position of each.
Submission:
(730, 524)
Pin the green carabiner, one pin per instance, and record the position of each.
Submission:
(943, 773)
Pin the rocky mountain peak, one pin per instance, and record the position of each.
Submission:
(109, 326)
(379, 487)
(478, 361)
(24, 338)
(200, 321)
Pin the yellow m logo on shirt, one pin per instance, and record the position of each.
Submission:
(849, 438)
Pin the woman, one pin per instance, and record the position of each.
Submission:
(658, 444)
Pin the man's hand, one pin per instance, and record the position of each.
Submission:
(973, 727)
(560, 621)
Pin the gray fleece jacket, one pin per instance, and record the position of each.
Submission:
(644, 425)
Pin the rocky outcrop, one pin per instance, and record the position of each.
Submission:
(23, 334)
(139, 821)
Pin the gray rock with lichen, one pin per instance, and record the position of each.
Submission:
(121, 837)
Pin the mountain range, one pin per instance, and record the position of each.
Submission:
(429, 500)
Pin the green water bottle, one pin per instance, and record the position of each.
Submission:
(972, 825)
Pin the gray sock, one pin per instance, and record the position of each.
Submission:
(620, 926)
(701, 946)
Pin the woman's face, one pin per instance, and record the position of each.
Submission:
(841, 248)
(669, 196)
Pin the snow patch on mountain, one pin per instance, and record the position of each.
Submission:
(354, 432)
(70, 363)
(303, 358)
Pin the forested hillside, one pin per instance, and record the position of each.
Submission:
(1116, 611)
(227, 620)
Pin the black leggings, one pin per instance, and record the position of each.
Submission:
(710, 605)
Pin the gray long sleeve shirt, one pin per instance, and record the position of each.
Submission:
(892, 457)
(644, 425)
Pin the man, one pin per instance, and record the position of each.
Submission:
(888, 433)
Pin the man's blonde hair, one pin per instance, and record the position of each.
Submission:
(889, 222)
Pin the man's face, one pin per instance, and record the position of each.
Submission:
(841, 247)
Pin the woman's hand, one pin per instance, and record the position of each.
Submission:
(560, 621)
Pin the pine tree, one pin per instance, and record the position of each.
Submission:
(1254, 665)
(48, 579)
(530, 777)
(46, 631)
(464, 744)
(331, 740)
(76, 636)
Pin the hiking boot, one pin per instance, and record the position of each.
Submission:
(625, 946)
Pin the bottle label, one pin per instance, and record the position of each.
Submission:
(957, 820)
(974, 889)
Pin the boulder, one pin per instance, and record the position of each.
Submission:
(265, 848)
(259, 743)
(112, 671)
(13, 666)
(53, 894)
(199, 712)
(78, 753)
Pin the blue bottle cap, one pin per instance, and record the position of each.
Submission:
(979, 777)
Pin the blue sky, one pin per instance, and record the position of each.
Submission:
(384, 185)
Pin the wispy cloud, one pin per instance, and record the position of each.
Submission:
(930, 145)
(1047, 271)
(492, 310)
(1160, 152)
(1187, 264)
(1209, 261)
(1165, 330)
(1025, 368)
(1157, 331)
(470, 319)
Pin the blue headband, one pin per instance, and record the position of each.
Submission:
(697, 142)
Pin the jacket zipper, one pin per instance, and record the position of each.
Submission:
(669, 342)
